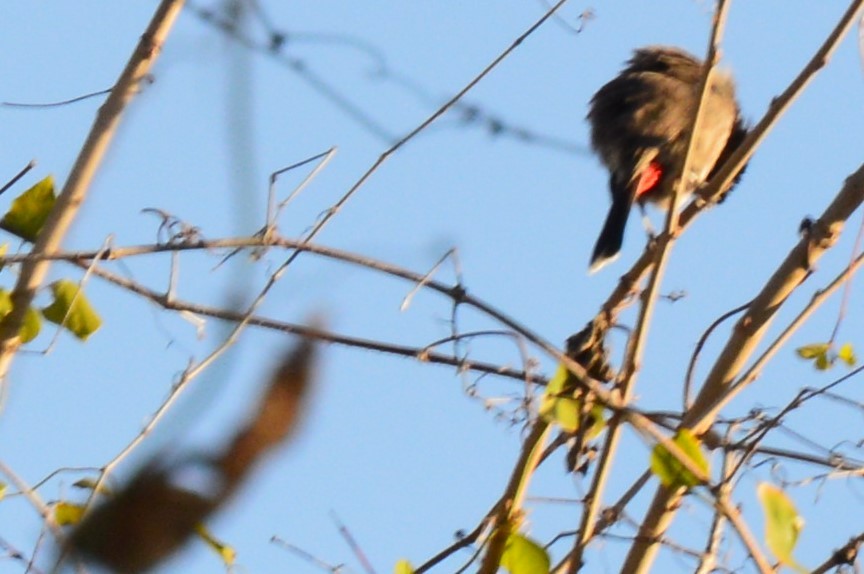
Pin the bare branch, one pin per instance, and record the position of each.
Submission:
(75, 190)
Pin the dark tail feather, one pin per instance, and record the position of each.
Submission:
(609, 243)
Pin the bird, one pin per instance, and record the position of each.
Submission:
(640, 123)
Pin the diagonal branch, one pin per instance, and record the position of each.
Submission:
(746, 335)
(76, 187)
(752, 326)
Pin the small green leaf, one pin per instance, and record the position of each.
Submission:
(225, 552)
(524, 556)
(4, 248)
(5, 302)
(30, 210)
(823, 362)
(813, 351)
(556, 408)
(31, 326)
(566, 410)
(669, 469)
(71, 310)
(66, 513)
(403, 567)
(847, 355)
(90, 484)
(782, 524)
(32, 323)
(555, 386)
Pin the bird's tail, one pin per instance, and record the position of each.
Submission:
(609, 243)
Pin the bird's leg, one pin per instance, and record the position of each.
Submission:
(646, 223)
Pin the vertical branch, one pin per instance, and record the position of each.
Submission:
(508, 511)
(749, 331)
(69, 201)
(636, 342)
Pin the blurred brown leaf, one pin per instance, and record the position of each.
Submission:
(151, 517)
(142, 524)
(277, 415)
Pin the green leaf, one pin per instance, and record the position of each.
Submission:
(225, 552)
(90, 484)
(66, 513)
(670, 470)
(813, 351)
(4, 248)
(403, 567)
(555, 387)
(556, 408)
(2, 490)
(5, 302)
(32, 323)
(823, 362)
(71, 310)
(524, 556)
(31, 326)
(565, 410)
(847, 355)
(782, 524)
(30, 210)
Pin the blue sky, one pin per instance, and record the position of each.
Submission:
(395, 447)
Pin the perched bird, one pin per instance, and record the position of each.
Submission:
(640, 124)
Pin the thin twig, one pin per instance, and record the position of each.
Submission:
(352, 544)
(691, 367)
(30, 165)
(845, 556)
(462, 542)
(57, 104)
(308, 556)
(33, 497)
(740, 526)
(419, 353)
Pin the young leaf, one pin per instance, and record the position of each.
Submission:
(524, 556)
(31, 326)
(72, 310)
(567, 411)
(812, 351)
(559, 409)
(30, 210)
(403, 567)
(554, 388)
(782, 524)
(32, 323)
(90, 484)
(670, 470)
(823, 362)
(847, 355)
(5, 302)
(66, 513)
